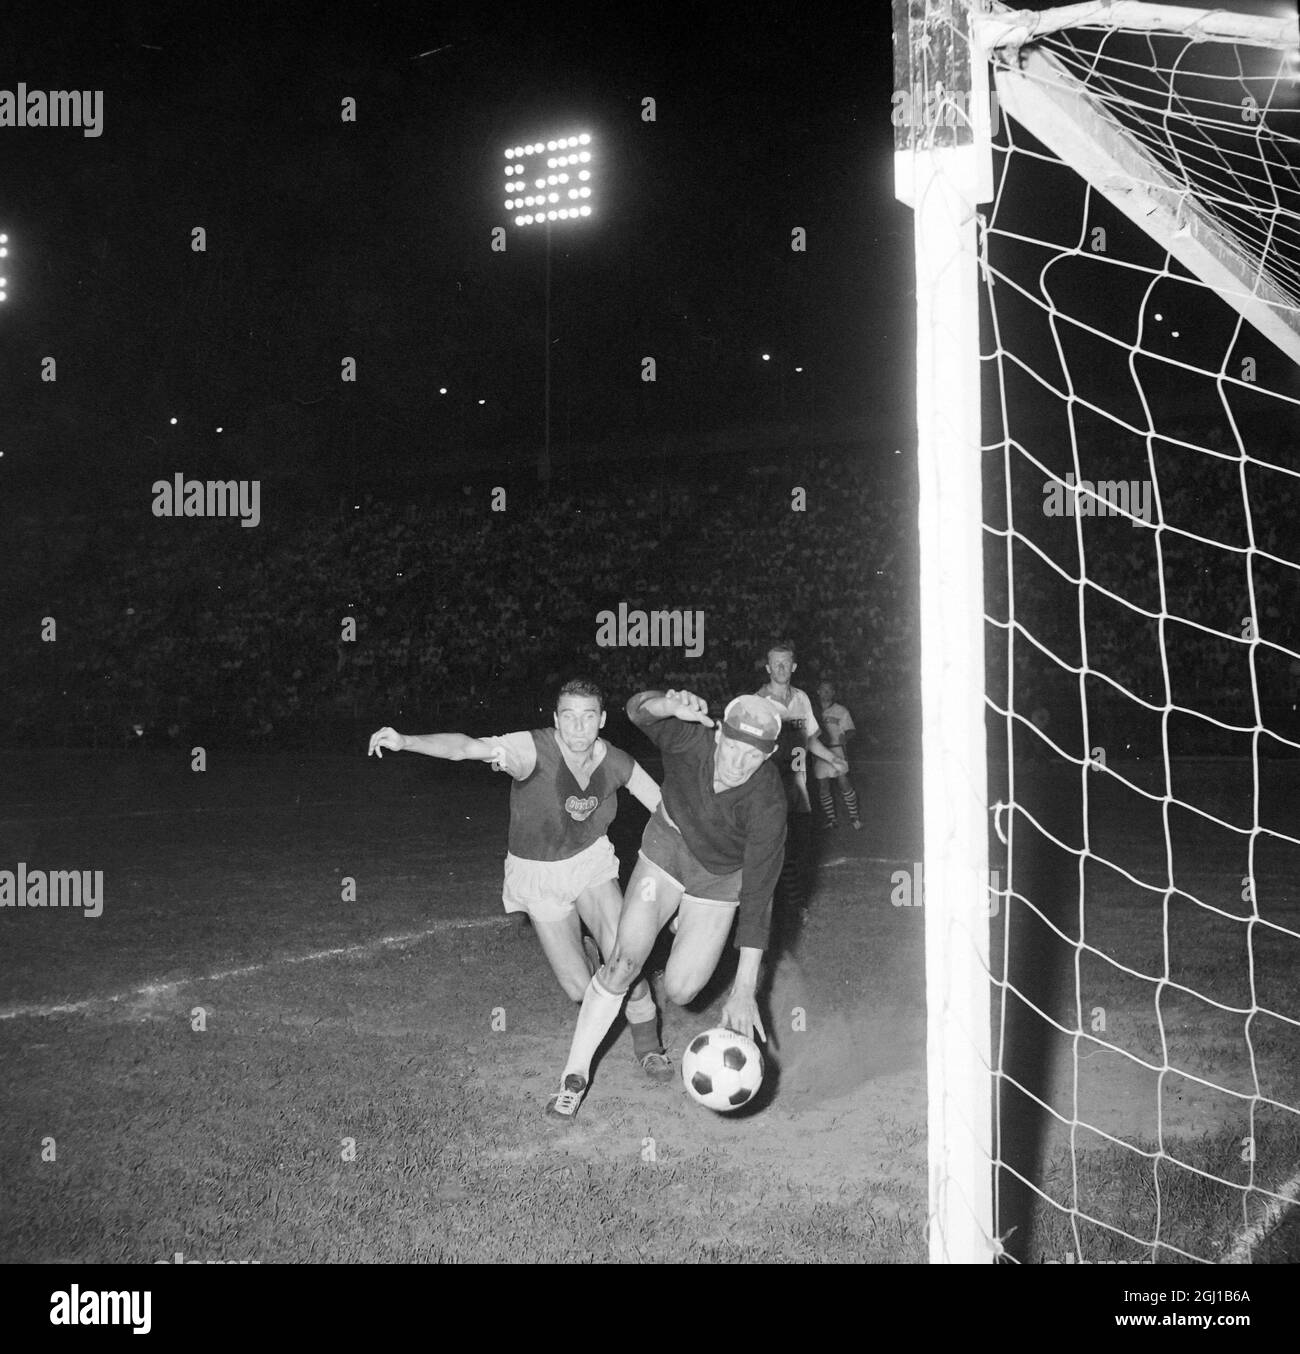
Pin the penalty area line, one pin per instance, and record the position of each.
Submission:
(1243, 1250)
(245, 970)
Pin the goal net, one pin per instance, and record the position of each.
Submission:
(1130, 187)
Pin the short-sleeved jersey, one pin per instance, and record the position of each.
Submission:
(798, 725)
(738, 829)
(552, 817)
(837, 722)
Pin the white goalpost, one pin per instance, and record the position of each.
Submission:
(1107, 240)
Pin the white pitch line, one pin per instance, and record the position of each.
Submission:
(866, 860)
(1244, 1248)
(339, 952)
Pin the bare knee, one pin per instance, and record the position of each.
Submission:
(681, 991)
(575, 991)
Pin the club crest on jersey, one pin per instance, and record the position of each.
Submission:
(580, 809)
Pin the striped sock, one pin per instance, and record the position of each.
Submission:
(850, 797)
(827, 797)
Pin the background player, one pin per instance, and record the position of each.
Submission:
(839, 727)
(714, 845)
(799, 738)
(560, 866)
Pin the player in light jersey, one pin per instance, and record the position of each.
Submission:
(840, 728)
(713, 847)
(560, 866)
(800, 736)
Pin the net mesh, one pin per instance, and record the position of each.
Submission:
(1142, 563)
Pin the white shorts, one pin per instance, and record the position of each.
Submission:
(550, 887)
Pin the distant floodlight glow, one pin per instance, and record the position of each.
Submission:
(442, 390)
(509, 153)
(551, 216)
(767, 357)
(586, 211)
(552, 197)
(550, 145)
(584, 192)
(584, 139)
(798, 369)
(482, 401)
(221, 430)
(585, 156)
(171, 420)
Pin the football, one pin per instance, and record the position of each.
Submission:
(722, 1070)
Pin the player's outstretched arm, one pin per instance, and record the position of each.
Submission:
(740, 1010)
(683, 705)
(451, 747)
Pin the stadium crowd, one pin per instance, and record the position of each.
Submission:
(459, 608)
(435, 612)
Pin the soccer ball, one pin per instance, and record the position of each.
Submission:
(722, 1070)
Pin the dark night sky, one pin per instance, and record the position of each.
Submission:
(372, 239)
(328, 239)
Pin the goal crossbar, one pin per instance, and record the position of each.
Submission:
(1005, 28)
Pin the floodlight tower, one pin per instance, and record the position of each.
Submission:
(548, 182)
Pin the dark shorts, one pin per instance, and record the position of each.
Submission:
(663, 845)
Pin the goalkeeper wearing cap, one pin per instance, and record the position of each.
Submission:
(712, 847)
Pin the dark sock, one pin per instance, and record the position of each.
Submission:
(645, 1037)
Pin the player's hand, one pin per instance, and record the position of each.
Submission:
(384, 738)
(740, 1013)
(691, 708)
(840, 765)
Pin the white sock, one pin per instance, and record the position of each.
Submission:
(597, 1014)
(641, 1010)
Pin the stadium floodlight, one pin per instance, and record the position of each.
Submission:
(4, 254)
(540, 162)
(540, 165)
